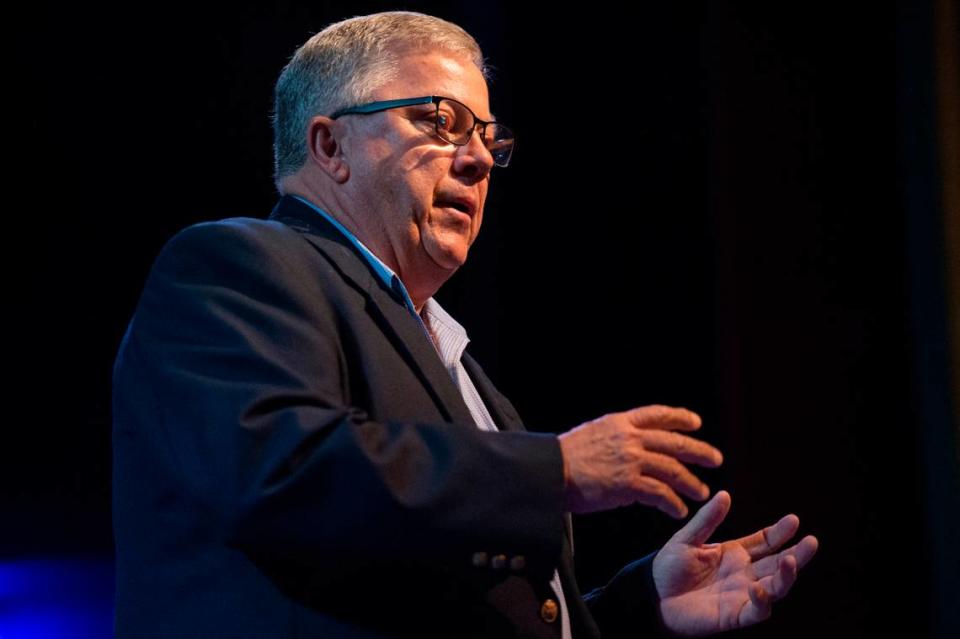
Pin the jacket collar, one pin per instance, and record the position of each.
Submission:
(385, 305)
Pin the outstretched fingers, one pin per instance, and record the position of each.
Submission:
(682, 447)
(801, 552)
(698, 530)
(783, 579)
(758, 608)
(765, 592)
(769, 539)
(650, 491)
(671, 472)
(664, 418)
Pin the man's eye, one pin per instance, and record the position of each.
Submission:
(445, 121)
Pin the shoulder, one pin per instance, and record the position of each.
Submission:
(251, 258)
(235, 233)
(236, 271)
(241, 242)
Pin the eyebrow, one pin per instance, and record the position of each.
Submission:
(493, 116)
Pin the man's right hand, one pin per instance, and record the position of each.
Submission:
(635, 457)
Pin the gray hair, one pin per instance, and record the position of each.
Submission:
(344, 64)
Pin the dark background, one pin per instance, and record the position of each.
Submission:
(730, 207)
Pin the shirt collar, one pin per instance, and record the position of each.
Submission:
(436, 317)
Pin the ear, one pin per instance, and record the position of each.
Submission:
(324, 149)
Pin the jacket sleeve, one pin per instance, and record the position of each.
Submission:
(232, 374)
(628, 605)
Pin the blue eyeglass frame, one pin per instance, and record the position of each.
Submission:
(384, 105)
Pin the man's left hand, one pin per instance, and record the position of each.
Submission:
(707, 588)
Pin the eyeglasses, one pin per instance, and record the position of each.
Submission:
(454, 123)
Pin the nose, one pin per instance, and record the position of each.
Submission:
(473, 159)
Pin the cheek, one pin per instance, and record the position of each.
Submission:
(478, 220)
(475, 230)
(419, 191)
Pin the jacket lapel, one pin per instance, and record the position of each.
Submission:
(503, 413)
(384, 305)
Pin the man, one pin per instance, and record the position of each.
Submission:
(302, 447)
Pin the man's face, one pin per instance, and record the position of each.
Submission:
(407, 182)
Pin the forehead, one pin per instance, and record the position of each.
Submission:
(439, 73)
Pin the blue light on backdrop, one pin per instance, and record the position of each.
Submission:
(56, 598)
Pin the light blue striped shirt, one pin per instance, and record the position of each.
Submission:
(449, 339)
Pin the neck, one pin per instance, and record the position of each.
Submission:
(421, 280)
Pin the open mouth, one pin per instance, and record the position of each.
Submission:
(460, 206)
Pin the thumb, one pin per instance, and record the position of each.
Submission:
(705, 522)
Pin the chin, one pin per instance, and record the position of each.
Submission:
(448, 255)
(453, 263)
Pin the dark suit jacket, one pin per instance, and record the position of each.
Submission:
(291, 459)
